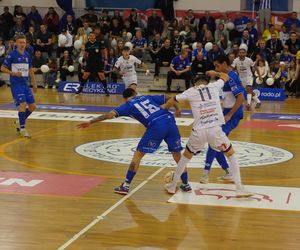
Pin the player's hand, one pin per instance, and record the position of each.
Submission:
(177, 113)
(34, 88)
(17, 74)
(212, 73)
(177, 73)
(84, 124)
(227, 117)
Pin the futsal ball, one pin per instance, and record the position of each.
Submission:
(71, 68)
(44, 68)
(270, 81)
(169, 176)
(62, 39)
(80, 59)
(208, 46)
(114, 43)
(183, 33)
(194, 46)
(243, 46)
(129, 35)
(77, 44)
(230, 26)
(129, 44)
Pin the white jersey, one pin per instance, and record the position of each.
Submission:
(205, 104)
(244, 67)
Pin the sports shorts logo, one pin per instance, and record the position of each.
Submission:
(121, 151)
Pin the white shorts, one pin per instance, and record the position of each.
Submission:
(130, 79)
(214, 136)
(247, 81)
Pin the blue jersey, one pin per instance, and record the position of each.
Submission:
(17, 62)
(145, 109)
(180, 64)
(139, 43)
(241, 24)
(196, 51)
(232, 88)
(285, 58)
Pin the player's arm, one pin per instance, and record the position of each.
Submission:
(8, 71)
(175, 105)
(221, 75)
(112, 114)
(145, 67)
(238, 102)
(32, 79)
(171, 102)
(187, 68)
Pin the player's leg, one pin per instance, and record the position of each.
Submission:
(249, 97)
(170, 76)
(85, 77)
(102, 78)
(255, 98)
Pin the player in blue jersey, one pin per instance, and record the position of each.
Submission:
(233, 113)
(160, 125)
(18, 65)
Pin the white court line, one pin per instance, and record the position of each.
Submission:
(102, 216)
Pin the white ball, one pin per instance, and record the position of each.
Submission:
(194, 46)
(114, 43)
(230, 26)
(208, 46)
(244, 47)
(169, 176)
(80, 59)
(77, 44)
(71, 68)
(45, 68)
(62, 39)
(182, 33)
(270, 81)
(129, 44)
(129, 35)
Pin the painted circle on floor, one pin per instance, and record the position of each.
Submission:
(121, 151)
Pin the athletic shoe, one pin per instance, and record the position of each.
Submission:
(170, 188)
(17, 125)
(204, 179)
(53, 87)
(257, 106)
(24, 133)
(243, 193)
(122, 189)
(226, 178)
(186, 187)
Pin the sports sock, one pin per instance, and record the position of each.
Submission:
(22, 119)
(180, 168)
(129, 176)
(27, 113)
(210, 156)
(184, 178)
(255, 98)
(222, 161)
(235, 171)
(249, 98)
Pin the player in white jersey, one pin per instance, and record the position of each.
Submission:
(244, 66)
(207, 111)
(125, 65)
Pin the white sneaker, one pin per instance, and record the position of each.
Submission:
(204, 179)
(243, 193)
(170, 188)
(46, 86)
(24, 133)
(53, 87)
(226, 178)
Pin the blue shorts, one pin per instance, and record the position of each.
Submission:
(163, 129)
(22, 93)
(232, 123)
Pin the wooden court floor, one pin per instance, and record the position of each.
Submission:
(145, 220)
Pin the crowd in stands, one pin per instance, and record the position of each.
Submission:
(182, 46)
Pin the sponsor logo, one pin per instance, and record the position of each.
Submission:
(71, 87)
(264, 197)
(270, 94)
(121, 151)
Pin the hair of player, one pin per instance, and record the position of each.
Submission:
(222, 59)
(126, 48)
(129, 92)
(201, 79)
(20, 37)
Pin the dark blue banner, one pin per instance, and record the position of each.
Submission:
(268, 94)
(137, 4)
(91, 87)
(276, 5)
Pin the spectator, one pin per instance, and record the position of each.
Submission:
(108, 68)
(105, 23)
(252, 31)
(18, 28)
(240, 23)
(264, 12)
(283, 34)
(139, 44)
(155, 24)
(81, 35)
(293, 43)
(174, 25)
(286, 56)
(179, 69)
(262, 51)
(167, 8)
(231, 57)
(199, 49)
(65, 46)
(192, 20)
(64, 62)
(10, 46)
(35, 16)
(201, 32)
(200, 65)
(29, 48)
(105, 17)
(268, 32)
(165, 56)
(118, 16)
(208, 37)
(115, 28)
(37, 61)
(133, 19)
(290, 85)
(261, 72)
(51, 75)
(247, 39)
(7, 22)
(281, 76)
(68, 24)
(18, 13)
(191, 40)
(120, 46)
(224, 44)
(44, 40)
(51, 20)
(31, 36)
(177, 41)
(2, 51)
(292, 20)
(209, 20)
(215, 52)
(155, 46)
(274, 45)
(220, 30)
(90, 17)
(87, 28)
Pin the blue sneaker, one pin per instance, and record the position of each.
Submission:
(186, 187)
(122, 189)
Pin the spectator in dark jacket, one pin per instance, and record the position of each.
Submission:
(155, 24)
(51, 19)
(64, 62)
